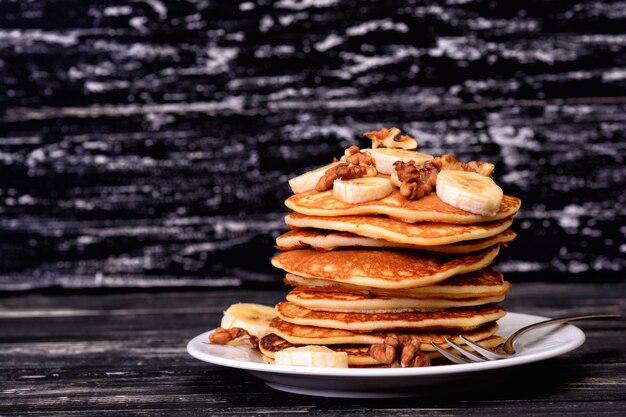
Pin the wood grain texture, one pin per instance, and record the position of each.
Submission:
(124, 353)
(149, 143)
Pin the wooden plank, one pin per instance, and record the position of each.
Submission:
(87, 354)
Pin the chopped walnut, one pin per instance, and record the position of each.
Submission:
(383, 353)
(357, 164)
(396, 340)
(408, 353)
(391, 138)
(417, 181)
(355, 156)
(233, 335)
(408, 348)
(412, 356)
(345, 172)
(420, 359)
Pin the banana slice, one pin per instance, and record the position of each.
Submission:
(394, 178)
(360, 190)
(314, 356)
(469, 191)
(308, 180)
(385, 157)
(254, 318)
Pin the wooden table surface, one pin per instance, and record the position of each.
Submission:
(124, 352)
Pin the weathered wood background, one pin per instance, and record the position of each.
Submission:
(148, 143)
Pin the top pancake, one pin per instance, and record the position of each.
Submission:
(391, 230)
(426, 209)
(381, 268)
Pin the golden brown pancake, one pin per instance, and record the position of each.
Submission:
(381, 268)
(324, 240)
(462, 319)
(312, 335)
(358, 355)
(370, 303)
(392, 230)
(427, 209)
(483, 283)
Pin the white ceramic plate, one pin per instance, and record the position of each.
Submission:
(535, 346)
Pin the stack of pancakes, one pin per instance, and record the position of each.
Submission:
(362, 272)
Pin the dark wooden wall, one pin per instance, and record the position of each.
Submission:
(149, 142)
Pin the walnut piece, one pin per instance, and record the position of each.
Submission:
(354, 156)
(357, 164)
(417, 181)
(232, 336)
(383, 353)
(397, 341)
(412, 356)
(391, 138)
(420, 359)
(407, 347)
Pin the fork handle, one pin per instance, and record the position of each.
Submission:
(508, 344)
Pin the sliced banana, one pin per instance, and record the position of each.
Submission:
(394, 178)
(469, 191)
(313, 356)
(254, 318)
(385, 157)
(361, 190)
(308, 180)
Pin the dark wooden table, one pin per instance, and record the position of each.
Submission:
(124, 352)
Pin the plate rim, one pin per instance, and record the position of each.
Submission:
(575, 341)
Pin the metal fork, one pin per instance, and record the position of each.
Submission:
(506, 350)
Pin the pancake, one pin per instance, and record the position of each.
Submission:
(312, 335)
(392, 230)
(426, 209)
(358, 355)
(483, 283)
(462, 319)
(369, 303)
(381, 268)
(323, 240)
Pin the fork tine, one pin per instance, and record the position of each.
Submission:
(489, 354)
(449, 355)
(465, 352)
